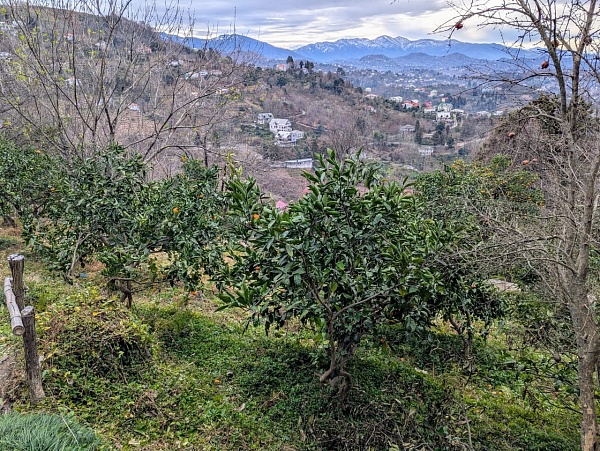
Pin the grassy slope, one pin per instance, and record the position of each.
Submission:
(211, 384)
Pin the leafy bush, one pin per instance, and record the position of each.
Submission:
(88, 336)
(35, 432)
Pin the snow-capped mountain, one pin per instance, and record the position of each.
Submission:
(384, 51)
(352, 49)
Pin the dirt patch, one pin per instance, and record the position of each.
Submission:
(11, 379)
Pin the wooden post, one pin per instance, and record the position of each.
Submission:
(13, 309)
(17, 267)
(32, 360)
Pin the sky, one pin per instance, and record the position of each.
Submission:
(293, 23)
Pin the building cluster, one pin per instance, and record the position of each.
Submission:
(282, 130)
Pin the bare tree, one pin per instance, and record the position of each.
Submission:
(557, 135)
(78, 77)
(348, 134)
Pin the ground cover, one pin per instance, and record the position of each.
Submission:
(175, 373)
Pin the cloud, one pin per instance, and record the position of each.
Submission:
(290, 24)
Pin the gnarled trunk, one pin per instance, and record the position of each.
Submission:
(586, 333)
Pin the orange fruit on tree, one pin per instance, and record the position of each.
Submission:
(256, 216)
(175, 210)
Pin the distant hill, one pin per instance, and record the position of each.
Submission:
(239, 43)
(418, 60)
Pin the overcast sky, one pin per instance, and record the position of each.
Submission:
(293, 23)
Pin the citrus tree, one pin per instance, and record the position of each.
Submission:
(25, 175)
(143, 232)
(477, 197)
(352, 253)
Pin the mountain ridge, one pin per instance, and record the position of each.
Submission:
(400, 46)
(351, 50)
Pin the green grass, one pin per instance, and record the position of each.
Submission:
(36, 432)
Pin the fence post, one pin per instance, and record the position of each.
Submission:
(32, 361)
(17, 268)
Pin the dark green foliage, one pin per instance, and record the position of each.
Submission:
(106, 210)
(465, 193)
(86, 336)
(352, 253)
(91, 209)
(27, 177)
(37, 432)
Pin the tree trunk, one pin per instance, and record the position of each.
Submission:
(586, 334)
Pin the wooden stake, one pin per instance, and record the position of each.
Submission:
(32, 360)
(17, 267)
(13, 309)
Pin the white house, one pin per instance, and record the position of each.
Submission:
(444, 107)
(280, 125)
(296, 135)
(443, 115)
(426, 151)
(283, 139)
(397, 99)
(264, 118)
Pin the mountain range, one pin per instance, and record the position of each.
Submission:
(382, 52)
(351, 49)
